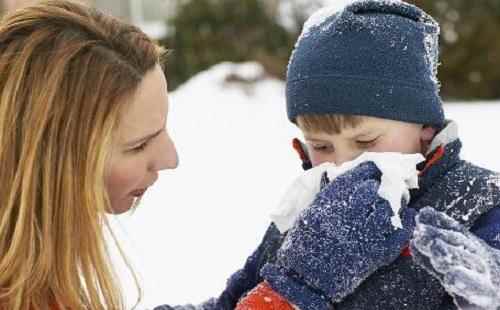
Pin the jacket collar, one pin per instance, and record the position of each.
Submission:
(443, 154)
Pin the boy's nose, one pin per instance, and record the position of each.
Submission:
(342, 157)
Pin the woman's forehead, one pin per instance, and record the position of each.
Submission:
(149, 106)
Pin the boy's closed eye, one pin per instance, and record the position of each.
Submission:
(365, 143)
(322, 148)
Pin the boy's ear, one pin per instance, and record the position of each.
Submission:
(301, 149)
(426, 136)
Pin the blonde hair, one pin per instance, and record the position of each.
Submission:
(65, 73)
(328, 123)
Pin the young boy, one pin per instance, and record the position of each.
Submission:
(364, 79)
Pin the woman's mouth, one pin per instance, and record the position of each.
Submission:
(138, 192)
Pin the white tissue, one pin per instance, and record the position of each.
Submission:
(399, 175)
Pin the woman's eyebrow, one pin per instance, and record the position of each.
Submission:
(145, 138)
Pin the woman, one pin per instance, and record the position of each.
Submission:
(83, 108)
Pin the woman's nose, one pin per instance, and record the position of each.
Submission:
(166, 156)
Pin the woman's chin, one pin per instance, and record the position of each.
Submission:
(123, 205)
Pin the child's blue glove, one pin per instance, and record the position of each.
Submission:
(340, 240)
(465, 265)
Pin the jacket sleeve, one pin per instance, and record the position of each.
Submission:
(244, 279)
(405, 285)
(487, 227)
(401, 285)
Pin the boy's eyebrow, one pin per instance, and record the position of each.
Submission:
(365, 131)
(309, 138)
(365, 134)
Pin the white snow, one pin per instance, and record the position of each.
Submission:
(199, 223)
(399, 175)
(288, 8)
(318, 18)
(468, 266)
(431, 44)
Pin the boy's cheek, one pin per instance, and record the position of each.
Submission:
(318, 159)
(315, 161)
(404, 146)
(337, 158)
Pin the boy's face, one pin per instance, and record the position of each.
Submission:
(371, 135)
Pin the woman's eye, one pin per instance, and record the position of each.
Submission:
(140, 147)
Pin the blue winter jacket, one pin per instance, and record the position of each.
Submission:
(466, 192)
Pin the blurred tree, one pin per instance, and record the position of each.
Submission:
(470, 47)
(207, 32)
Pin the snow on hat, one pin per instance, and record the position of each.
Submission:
(373, 58)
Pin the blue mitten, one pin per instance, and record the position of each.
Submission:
(340, 240)
(467, 267)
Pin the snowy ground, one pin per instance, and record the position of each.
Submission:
(198, 224)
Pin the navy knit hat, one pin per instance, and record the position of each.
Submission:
(374, 58)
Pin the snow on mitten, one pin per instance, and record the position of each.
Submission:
(467, 267)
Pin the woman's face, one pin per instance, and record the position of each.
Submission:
(142, 146)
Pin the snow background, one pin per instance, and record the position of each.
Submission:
(199, 223)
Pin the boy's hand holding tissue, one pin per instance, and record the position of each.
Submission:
(341, 239)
